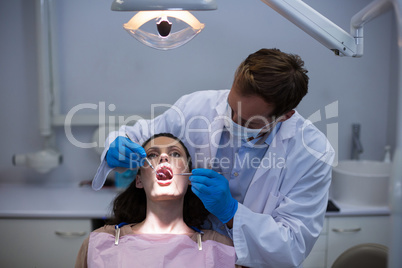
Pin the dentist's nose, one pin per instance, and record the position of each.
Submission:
(164, 158)
(235, 118)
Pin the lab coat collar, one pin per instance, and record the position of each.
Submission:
(267, 137)
(288, 127)
(221, 107)
(277, 149)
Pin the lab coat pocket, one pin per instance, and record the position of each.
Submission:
(273, 201)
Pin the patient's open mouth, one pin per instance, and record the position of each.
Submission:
(164, 173)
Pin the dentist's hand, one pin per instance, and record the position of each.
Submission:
(213, 190)
(125, 153)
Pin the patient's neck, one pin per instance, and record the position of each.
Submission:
(163, 217)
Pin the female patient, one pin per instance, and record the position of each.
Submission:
(163, 215)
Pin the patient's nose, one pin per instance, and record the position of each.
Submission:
(164, 158)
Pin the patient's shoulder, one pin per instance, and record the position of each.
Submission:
(215, 236)
(110, 229)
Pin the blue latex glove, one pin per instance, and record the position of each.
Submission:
(125, 153)
(213, 190)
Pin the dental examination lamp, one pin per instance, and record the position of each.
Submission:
(160, 11)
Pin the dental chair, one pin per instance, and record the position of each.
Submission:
(368, 255)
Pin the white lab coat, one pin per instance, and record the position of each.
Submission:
(284, 207)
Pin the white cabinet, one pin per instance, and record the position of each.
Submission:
(343, 232)
(41, 242)
(346, 232)
(55, 242)
(317, 257)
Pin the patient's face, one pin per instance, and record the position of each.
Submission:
(168, 158)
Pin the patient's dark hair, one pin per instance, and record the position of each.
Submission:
(130, 205)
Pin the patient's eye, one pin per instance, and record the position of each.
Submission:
(152, 155)
(175, 154)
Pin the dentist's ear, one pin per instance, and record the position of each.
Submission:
(138, 182)
(286, 116)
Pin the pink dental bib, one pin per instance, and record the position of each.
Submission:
(157, 250)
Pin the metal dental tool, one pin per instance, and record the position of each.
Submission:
(149, 163)
(189, 173)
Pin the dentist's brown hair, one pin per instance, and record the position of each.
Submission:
(277, 77)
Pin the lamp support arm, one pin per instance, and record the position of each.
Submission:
(324, 30)
(371, 11)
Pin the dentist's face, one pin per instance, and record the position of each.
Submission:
(168, 157)
(249, 111)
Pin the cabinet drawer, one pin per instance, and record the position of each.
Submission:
(41, 242)
(317, 256)
(345, 232)
(325, 227)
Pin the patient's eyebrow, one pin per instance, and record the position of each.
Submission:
(175, 147)
(169, 148)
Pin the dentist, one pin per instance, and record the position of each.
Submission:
(263, 171)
